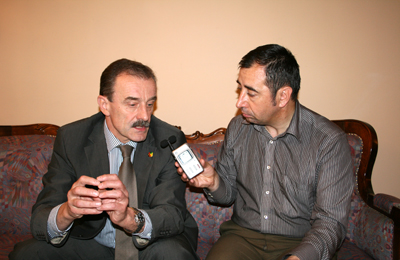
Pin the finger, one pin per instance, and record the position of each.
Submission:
(110, 185)
(82, 191)
(184, 177)
(105, 201)
(107, 177)
(79, 207)
(84, 203)
(117, 195)
(179, 170)
(86, 180)
(203, 162)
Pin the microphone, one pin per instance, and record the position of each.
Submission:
(171, 140)
(184, 156)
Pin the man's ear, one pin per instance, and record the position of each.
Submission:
(284, 95)
(103, 102)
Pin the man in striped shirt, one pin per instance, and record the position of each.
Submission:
(287, 169)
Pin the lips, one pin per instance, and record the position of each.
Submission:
(140, 128)
(245, 115)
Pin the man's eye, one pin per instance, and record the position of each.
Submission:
(132, 104)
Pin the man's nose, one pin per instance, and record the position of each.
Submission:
(143, 113)
(241, 102)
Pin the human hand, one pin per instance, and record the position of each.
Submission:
(207, 179)
(81, 201)
(115, 199)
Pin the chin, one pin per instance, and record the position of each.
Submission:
(139, 136)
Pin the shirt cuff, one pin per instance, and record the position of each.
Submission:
(305, 251)
(55, 234)
(217, 195)
(148, 227)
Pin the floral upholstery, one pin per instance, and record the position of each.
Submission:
(23, 161)
(386, 202)
(208, 217)
(350, 251)
(367, 229)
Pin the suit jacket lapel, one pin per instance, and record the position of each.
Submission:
(145, 156)
(96, 152)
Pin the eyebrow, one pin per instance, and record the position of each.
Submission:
(248, 87)
(138, 99)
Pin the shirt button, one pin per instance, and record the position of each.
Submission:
(265, 217)
(268, 167)
(267, 192)
(271, 142)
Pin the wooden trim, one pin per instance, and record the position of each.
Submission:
(213, 137)
(34, 129)
(369, 152)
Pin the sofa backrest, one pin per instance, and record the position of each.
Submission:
(208, 217)
(25, 152)
(366, 234)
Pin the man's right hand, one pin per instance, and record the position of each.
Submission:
(81, 201)
(207, 179)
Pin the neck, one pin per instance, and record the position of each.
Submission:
(282, 120)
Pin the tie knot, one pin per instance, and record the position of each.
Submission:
(126, 150)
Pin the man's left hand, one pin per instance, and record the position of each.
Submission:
(115, 199)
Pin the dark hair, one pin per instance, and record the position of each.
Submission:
(281, 67)
(133, 68)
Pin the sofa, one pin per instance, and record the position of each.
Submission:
(25, 151)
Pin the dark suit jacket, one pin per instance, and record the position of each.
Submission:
(80, 149)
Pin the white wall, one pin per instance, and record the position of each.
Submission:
(53, 52)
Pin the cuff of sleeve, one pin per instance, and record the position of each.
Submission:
(217, 195)
(55, 234)
(305, 251)
(148, 227)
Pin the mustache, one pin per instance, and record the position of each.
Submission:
(141, 123)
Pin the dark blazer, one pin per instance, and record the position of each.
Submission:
(80, 149)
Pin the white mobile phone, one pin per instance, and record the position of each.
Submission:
(187, 160)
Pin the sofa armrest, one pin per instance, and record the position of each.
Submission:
(386, 202)
(390, 206)
(374, 233)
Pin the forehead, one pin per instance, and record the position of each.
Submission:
(255, 75)
(128, 85)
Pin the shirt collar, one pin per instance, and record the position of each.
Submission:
(293, 128)
(113, 141)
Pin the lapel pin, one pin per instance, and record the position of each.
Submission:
(150, 154)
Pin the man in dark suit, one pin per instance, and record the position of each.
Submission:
(84, 203)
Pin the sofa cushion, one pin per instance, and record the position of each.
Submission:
(23, 161)
(350, 251)
(208, 217)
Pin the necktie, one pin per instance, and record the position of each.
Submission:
(124, 247)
